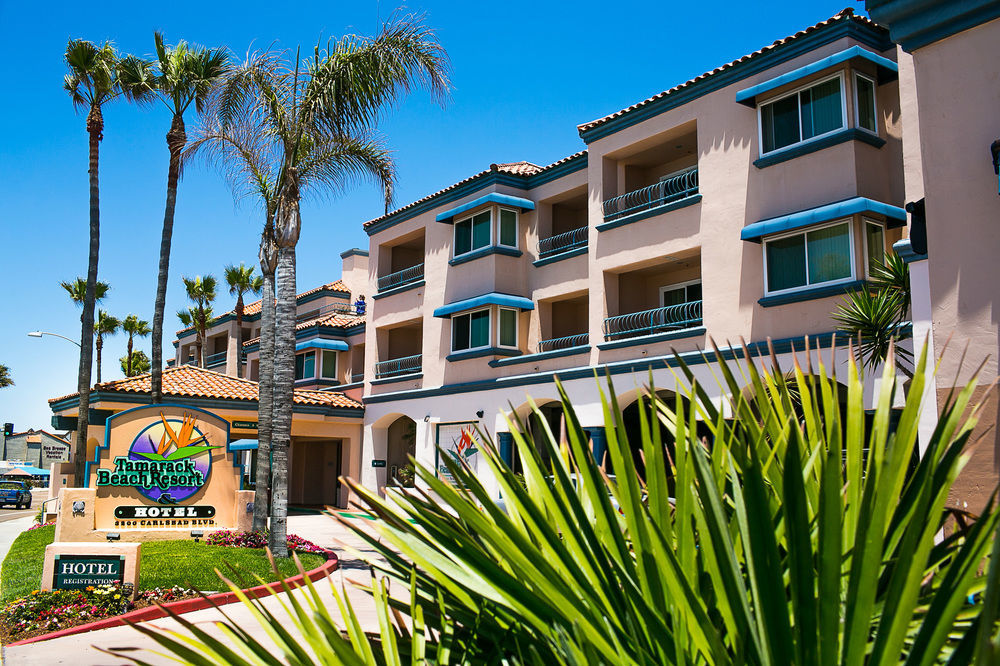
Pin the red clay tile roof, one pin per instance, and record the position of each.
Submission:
(193, 382)
(335, 319)
(514, 168)
(254, 308)
(844, 14)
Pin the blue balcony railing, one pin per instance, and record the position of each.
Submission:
(357, 377)
(400, 278)
(407, 365)
(563, 343)
(672, 189)
(213, 360)
(671, 318)
(553, 245)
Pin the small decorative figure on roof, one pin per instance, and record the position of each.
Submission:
(360, 305)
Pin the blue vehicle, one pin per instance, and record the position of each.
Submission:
(16, 493)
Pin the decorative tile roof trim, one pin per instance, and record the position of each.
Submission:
(315, 343)
(913, 25)
(887, 71)
(492, 298)
(843, 24)
(449, 216)
(894, 215)
(473, 184)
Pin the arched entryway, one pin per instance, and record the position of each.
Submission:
(401, 447)
(549, 412)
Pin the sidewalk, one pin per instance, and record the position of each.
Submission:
(80, 649)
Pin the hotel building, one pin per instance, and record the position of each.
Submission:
(740, 205)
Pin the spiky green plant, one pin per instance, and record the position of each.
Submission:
(798, 536)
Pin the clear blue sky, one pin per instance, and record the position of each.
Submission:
(524, 73)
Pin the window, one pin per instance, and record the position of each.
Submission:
(678, 294)
(508, 228)
(802, 115)
(470, 331)
(329, 368)
(305, 365)
(507, 333)
(472, 233)
(815, 257)
(864, 102)
(874, 243)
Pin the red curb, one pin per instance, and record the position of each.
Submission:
(190, 605)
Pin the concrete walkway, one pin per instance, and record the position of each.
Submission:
(81, 649)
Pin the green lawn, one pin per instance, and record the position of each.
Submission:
(163, 564)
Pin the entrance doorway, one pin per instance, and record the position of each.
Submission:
(314, 472)
(401, 445)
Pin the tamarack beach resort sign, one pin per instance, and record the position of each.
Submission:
(165, 467)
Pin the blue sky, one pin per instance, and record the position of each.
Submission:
(524, 74)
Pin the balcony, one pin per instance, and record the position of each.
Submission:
(657, 320)
(570, 240)
(669, 190)
(401, 278)
(397, 367)
(357, 377)
(212, 360)
(333, 308)
(567, 342)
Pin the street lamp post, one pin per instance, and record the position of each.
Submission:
(38, 334)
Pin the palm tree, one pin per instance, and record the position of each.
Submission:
(184, 77)
(96, 76)
(320, 116)
(106, 325)
(872, 316)
(135, 363)
(134, 327)
(241, 280)
(77, 291)
(5, 378)
(200, 291)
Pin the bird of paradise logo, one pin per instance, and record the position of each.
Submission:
(171, 440)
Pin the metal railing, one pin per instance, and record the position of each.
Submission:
(564, 242)
(563, 343)
(407, 365)
(213, 360)
(671, 318)
(666, 191)
(399, 278)
(357, 377)
(341, 308)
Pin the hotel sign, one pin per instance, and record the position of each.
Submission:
(76, 572)
(165, 466)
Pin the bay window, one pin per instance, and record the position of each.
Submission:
(477, 232)
(864, 103)
(819, 256)
(470, 331)
(328, 369)
(507, 328)
(305, 365)
(802, 115)
(874, 243)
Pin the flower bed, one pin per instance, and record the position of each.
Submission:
(37, 526)
(45, 612)
(259, 540)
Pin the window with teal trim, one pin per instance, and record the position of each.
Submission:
(507, 333)
(329, 369)
(305, 365)
(864, 102)
(470, 331)
(508, 228)
(819, 256)
(802, 115)
(472, 233)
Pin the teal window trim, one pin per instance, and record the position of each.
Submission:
(540, 356)
(895, 217)
(479, 353)
(395, 378)
(887, 71)
(815, 145)
(398, 290)
(335, 345)
(811, 293)
(484, 252)
(448, 216)
(492, 298)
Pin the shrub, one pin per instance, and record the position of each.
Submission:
(259, 540)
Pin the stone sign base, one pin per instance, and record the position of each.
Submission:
(77, 521)
(71, 565)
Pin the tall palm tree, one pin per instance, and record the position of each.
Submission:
(235, 140)
(319, 117)
(185, 75)
(5, 377)
(106, 325)
(96, 77)
(201, 292)
(77, 291)
(133, 327)
(241, 280)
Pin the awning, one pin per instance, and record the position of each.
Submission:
(895, 217)
(887, 71)
(493, 197)
(338, 345)
(493, 298)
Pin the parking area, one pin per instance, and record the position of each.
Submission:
(8, 512)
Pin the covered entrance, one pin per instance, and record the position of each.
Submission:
(314, 467)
